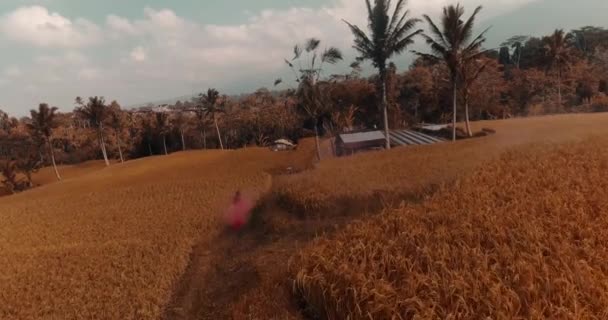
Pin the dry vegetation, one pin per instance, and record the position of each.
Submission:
(410, 172)
(523, 238)
(112, 243)
(527, 242)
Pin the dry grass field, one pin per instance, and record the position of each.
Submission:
(112, 243)
(115, 243)
(524, 237)
(410, 172)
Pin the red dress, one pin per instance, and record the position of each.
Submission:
(238, 213)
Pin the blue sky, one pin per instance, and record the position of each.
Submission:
(137, 51)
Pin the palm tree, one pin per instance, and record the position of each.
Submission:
(42, 125)
(517, 44)
(180, 121)
(453, 45)
(213, 107)
(162, 125)
(389, 36)
(558, 55)
(312, 94)
(96, 112)
(117, 121)
(469, 73)
(201, 117)
(147, 131)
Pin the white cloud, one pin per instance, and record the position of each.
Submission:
(13, 72)
(120, 25)
(138, 54)
(89, 73)
(173, 55)
(35, 25)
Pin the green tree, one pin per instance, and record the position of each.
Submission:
(180, 122)
(469, 73)
(117, 121)
(558, 57)
(41, 126)
(213, 107)
(96, 112)
(452, 45)
(389, 36)
(162, 127)
(516, 43)
(201, 117)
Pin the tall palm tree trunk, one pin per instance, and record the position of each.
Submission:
(467, 120)
(181, 131)
(149, 147)
(165, 144)
(455, 92)
(50, 145)
(102, 144)
(559, 88)
(385, 110)
(122, 160)
(466, 114)
(205, 138)
(317, 142)
(219, 136)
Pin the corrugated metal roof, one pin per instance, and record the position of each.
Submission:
(362, 137)
(409, 137)
(433, 127)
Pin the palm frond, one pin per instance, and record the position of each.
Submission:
(312, 44)
(400, 34)
(396, 14)
(406, 41)
(478, 41)
(278, 81)
(362, 42)
(467, 28)
(331, 55)
(427, 56)
(297, 52)
(435, 30)
(436, 47)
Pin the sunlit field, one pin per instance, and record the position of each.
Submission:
(491, 226)
(412, 171)
(523, 237)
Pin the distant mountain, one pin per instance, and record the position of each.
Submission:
(172, 101)
(542, 17)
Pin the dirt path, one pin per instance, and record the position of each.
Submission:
(220, 276)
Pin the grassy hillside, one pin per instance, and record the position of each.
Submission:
(523, 238)
(114, 242)
(412, 171)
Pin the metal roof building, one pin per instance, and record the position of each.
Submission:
(351, 143)
(410, 137)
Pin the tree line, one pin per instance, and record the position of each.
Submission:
(455, 79)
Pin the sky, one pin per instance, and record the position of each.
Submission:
(140, 51)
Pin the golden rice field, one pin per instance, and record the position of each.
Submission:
(524, 237)
(112, 243)
(410, 172)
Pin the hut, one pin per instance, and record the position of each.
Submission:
(351, 143)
